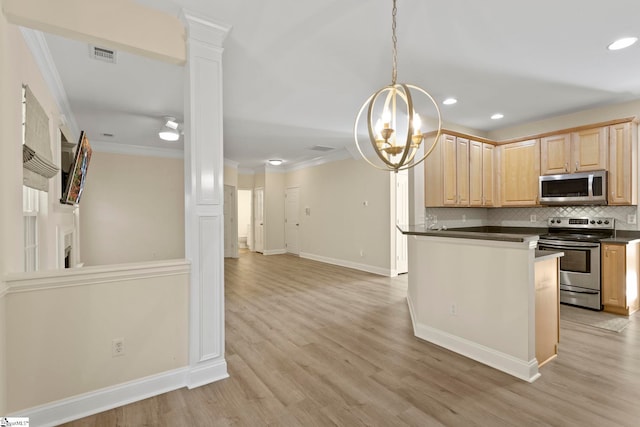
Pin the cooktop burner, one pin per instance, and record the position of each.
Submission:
(586, 229)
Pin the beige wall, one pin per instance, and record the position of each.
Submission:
(339, 225)
(59, 340)
(17, 66)
(120, 24)
(246, 181)
(231, 176)
(132, 209)
(35, 324)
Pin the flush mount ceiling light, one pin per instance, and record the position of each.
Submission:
(275, 162)
(169, 131)
(497, 116)
(396, 135)
(622, 43)
(449, 101)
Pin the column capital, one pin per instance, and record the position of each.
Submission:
(204, 29)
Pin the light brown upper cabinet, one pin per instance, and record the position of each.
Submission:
(623, 164)
(447, 173)
(519, 170)
(581, 151)
(481, 174)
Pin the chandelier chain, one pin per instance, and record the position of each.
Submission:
(394, 39)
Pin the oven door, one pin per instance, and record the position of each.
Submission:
(580, 265)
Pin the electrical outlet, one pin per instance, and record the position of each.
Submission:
(464, 218)
(361, 252)
(631, 219)
(533, 218)
(117, 347)
(453, 309)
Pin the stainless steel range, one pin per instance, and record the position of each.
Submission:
(579, 239)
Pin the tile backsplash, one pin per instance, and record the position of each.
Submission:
(522, 217)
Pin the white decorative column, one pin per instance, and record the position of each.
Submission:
(204, 222)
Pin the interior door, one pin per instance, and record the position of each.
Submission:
(258, 219)
(292, 220)
(230, 223)
(402, 217)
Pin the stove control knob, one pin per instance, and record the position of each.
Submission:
(599, 221)
(593, 222)
(558, 221)
(553, 221)
(606, 221)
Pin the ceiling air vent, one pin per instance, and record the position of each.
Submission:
(322, 148)
(102, 54)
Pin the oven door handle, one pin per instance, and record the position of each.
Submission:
(579, 292)
(572, 246)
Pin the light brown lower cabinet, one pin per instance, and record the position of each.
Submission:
(620, 278)
(547, 309)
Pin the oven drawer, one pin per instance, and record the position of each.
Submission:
(581, 297)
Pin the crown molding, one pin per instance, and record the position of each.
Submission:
(246, 171)
(37, 44)
(136, 150)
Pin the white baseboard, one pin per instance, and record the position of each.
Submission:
(349, 264)
(84, 405)
(206, 374)
(524, 370)
(274, 252)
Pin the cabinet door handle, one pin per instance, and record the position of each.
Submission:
(566, 166)
(576, 167)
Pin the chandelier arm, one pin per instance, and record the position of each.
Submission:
(438, 133)
(372, 137)
(407, 145)
(355, 133)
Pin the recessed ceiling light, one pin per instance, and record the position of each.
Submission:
(622, 43)
(497, 116)
(449, 101)
(275, 162)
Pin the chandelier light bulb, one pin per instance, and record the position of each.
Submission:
(417, 123)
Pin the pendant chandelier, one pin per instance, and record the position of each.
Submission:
(393, 125)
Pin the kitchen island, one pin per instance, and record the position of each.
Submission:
(474, 292)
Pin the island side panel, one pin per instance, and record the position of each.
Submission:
(476, 297)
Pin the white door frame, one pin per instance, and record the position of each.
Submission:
(258, 221)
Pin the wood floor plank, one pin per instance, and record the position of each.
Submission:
(312, 344)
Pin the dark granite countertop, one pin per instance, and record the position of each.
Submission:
(623, 237)
(503, 234)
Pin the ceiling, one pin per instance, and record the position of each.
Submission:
(297, 72)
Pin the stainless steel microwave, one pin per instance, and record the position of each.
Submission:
(583, 188)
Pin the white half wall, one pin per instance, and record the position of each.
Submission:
(476, 298)
(72, 317)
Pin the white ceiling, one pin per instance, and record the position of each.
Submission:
(296, 72)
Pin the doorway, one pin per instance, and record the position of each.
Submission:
(402, 217)
(292, 220)
(258, 219)
(245, 225)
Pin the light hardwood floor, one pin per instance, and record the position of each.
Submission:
(310, 344)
